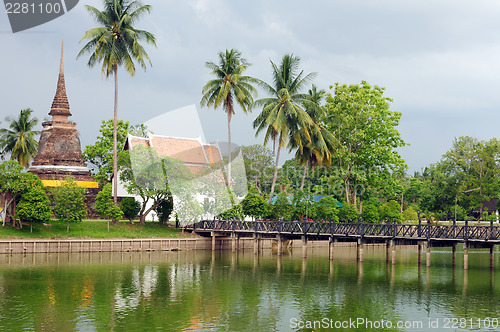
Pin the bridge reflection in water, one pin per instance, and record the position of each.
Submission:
(392, 234)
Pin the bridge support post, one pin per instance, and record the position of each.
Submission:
(213, 241)
(359, 251)
(492, 256)
(280, 244)
(393, 252)
(304, 246)
(466, 256)
(419, 246)
(454, 254)
(428, 255)
(256, 244)
(387, 247)
(331, 246)
(233, 242)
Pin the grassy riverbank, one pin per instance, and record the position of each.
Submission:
(91, 229)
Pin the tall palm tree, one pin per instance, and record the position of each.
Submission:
(19, 140)
(116, 43)
(229, 87)
(282, 114)
(316, 151)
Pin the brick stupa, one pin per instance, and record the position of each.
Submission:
(59, 150)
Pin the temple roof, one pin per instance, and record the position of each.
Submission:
(60, 105)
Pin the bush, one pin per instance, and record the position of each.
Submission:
(348, 212)
(326, 209)
(233, 213)
(370, 214)
(164, 209)
(34, 205)
(281, 208)
(104, 204)
(254, 204)
(410, 214)
(390, 210)
(69, 201)
(130, 207)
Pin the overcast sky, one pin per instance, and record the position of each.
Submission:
(438, 60)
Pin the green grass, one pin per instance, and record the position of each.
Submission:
(91, 229)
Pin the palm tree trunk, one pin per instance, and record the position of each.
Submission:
(229, 148)
(303, 177)
(275, 173)
(115, 154)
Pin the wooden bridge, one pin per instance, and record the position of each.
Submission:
(392, 234)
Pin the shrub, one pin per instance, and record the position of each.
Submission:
(104, 204)
(410, 214)
(348, 212)
(254, 204)
(390, 210)
(281, 208)
(370, 214)
(69, 202)
(34, 206)
(326, 209)
(130, 207)
(164, 209)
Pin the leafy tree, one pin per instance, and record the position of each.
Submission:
(234, 212)
(254, 204)
(327, 209)
(281, 208)
(348, 213)
(410, 214)
(13, 183)
(69, 201)
(258, 166)
(370, 213)
(34, 206)
(20, 140)
(390, 211)
(100, 155)
(115, 43)
(359, 117)
(230, 86)
(164, 209)
(282, 114)
(130, 208)
(105, 207)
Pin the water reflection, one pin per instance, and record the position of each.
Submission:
(240, 291)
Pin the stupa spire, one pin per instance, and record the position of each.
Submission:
(60, 104)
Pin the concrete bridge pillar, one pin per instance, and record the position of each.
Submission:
(393, 252)
(492, 256)
(428, 255)
(454, 254)
(213, 241)
(304, 246)
(387, 247)
(419, 246)
(466, 256)
(256, 244)
(359, 251)
(331, 246)
(280, 244)
(234, 244)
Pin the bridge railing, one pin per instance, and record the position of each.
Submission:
(389, 230)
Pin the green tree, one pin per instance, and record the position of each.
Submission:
(327, 209)
(254, 204)
(69, 201)
(34, 206)
(100, 154)
(105, 207)
(390, 211)
(229, 87)
(117, 43)
(281, 207)
(164, 210)
(348, 213)
(20, 140)
(370, 214)
(130, 208)
(13, 183)
(359, 117)
(282, 114)
(410, 214)
(258, 166)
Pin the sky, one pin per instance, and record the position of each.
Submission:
(438, 60)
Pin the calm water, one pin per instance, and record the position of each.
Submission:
(221, 291)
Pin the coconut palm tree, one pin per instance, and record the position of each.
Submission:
(229, 87)
(19, 140)
(117, 43)
(283, 116)
(316, 151)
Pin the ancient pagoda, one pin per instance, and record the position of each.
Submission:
(59, 151)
